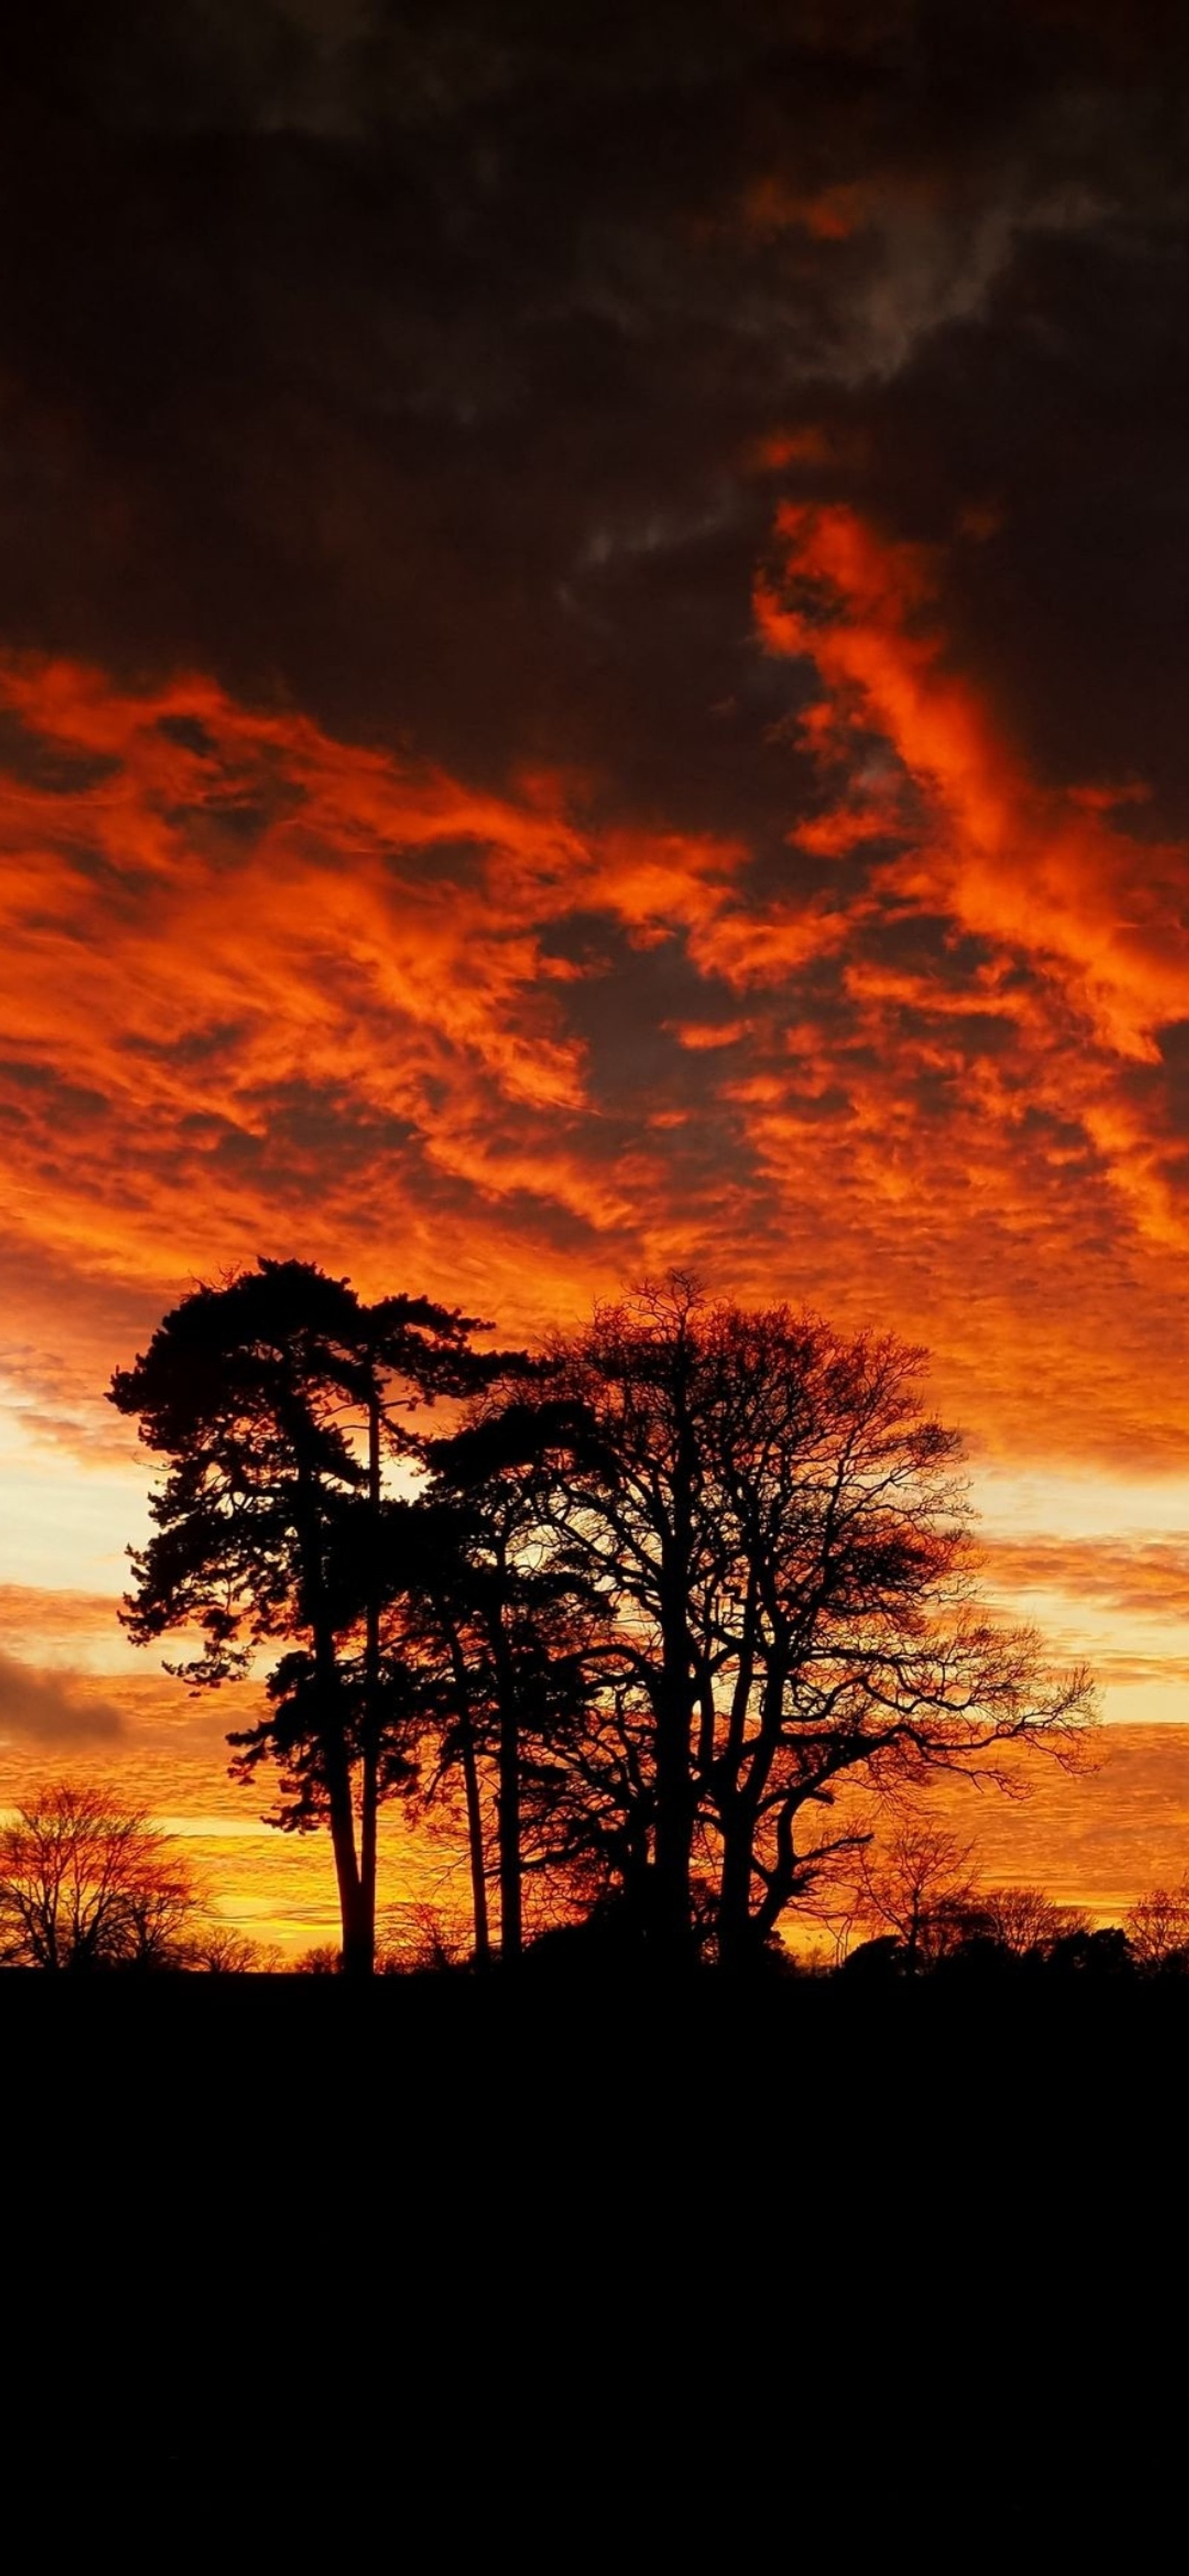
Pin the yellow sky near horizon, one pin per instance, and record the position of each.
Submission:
(1097, 1839)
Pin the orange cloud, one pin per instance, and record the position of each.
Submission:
(771, 206)
(809, 445)
(1147, 1577)
(703, 1036)
(986, 1126)
(47, 1617)
(1097, 1840)
(263, 989)
(1012, 861)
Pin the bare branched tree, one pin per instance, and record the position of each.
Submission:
(781, 1538)
(1157, 1926)
(86, 1882)
(1026, 1922)
(921, 1888)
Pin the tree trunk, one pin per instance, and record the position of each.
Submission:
(674, 1706)
(672, 1914)
(736, 1931)
(672, 1906)
(474, 1810)
(745, 1779)
(782, 1873)
(478, 1858)
(369, 1819)
(358, 1946)
(508, 1794)
(511, 1894)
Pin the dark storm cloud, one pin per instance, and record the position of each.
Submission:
(415, 365)
(52, 1708)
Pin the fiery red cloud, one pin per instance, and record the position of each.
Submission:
(999, 1103)
(265, 989)
(251, 975)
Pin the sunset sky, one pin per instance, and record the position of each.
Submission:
(593, 675)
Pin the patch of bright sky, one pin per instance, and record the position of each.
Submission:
(1090, 1505)
(1111, 1512)
(65, 1520)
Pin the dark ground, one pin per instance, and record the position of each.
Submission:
(496, 2247)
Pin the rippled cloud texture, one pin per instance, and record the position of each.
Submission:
(591, 676)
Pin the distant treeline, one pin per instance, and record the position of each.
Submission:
(87, 1883)
(636, 1613)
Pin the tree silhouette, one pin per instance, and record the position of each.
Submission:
(451, 1689)
(919, 1887)
(274, 1399)
(1157, 1927)
(514, 1631)
(1026, 1922)
(774, 1523)
(86, 1883)
(657, 1597)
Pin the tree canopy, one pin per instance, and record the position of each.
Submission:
(655, 1597)
(87, 1883)
(777, 1527)
(274, 1399)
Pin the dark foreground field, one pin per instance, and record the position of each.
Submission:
(202, 2078)
(499, 2242)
